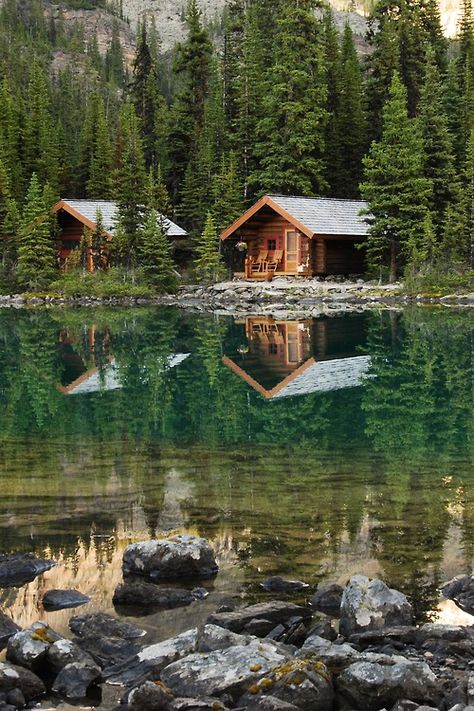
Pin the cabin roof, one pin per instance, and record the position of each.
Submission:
(86, 211)
(312, 216)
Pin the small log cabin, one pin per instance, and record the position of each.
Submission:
(75, 215)
(290, 358)
(298, 236)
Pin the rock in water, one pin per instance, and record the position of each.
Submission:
(327, 599)
(144, 594)
(102, 625)
(275, 612)
(15, 677)
(7, 629)
(461, 591)
(74, 680)
(28, 648)
(278, 584)
(182, 556)
(63, 599)
(370, 604)
(16, 569)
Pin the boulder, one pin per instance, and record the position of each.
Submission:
(64, 652)
(461, 591)
(327, 599)
(16, 569)
(16, 698)
(108, 651)
(102, 625)
(324, 629)
(150, 660)
(144, 594)
(149, 696)
(276, 612)
(74, 680)
(7, 629)
(278, 584)
(213, 637)
(402, 635)
(201, 704)
(28, 648)
(370, 686)
(182, 556)
(63, 599)
(370, 604)
(334, 656)
(224, 671)
(15, 677)
(267, 703)
(305, 683)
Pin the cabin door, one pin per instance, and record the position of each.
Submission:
(291, 251)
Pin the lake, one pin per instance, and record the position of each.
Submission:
(311, 449)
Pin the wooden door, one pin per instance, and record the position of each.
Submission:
(291, 251)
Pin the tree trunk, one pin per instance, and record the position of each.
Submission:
(393, 262)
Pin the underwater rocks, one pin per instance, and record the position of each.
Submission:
(181, 556)
(63, 599)
(278, 584)
(144, 594)
(17, 569)
(370, 604)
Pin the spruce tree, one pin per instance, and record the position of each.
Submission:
(10, 138)
(157, 196)
(395, 187)
(99, 182)
(333, 76)
(98, 243)
(114, 64)
(208, 265)
(290, 134)
(36, 250)
(9, 224)
(155, 252)
(227, 203)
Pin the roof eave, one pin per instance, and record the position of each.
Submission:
(265, 200)
(64, 205)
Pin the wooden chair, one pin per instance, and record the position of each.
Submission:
(258, 265)
(274, 260)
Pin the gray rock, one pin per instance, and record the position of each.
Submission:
(74, 680)
(100, 624)
(447, 633)
(64, 652)
(28, 648)
(182, 556)
(15, 677)
(108, 651)
(324, 629)
(7, 629)
(369, 686)
(268, 703)
(370, 604)
(63, 599)
(461, 590)
(403, 634)
(149, 696)
(16, 698)
(201, 704)
(213, 637)
(225, 671)
(327, 599)
(334, 656)
(16, 569)
(278, 584)
(150, 660)
(144, 594)
(276, 611)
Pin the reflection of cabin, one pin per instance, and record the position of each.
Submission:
(285, 358)
(76, 215)
(299, 236)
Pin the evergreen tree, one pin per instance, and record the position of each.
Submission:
(395, 187)
(99, 183)
(9, 224)
(10, 137)
(453, 106)
(332, 61)
(157, 197)
(98, 243)
(290, 134)
(227, 194)
(114, 65)
(156, 254)
(208, 265)
(36, 251)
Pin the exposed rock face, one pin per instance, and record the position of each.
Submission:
(275, 612)
(182, 556)
(28, 648)
(370, 604)
(103, 625)
(144, 594)
(371, 686)
(227, 671)
(16, 569)
(63, 599)
(327, 599)
(16, 677)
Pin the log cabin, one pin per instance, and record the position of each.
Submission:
(75, 215)
(298, 236)
(289, 358)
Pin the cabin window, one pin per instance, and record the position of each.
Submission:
(273, 349)
(70, 243)
(271, 245)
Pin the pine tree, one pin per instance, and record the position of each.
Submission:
(36, 252)
(333, 70)
(9, 224)
(99, 183)
(10, 137)
(395, 187)
(114, 64)
(290, 134)
(157, 196)
(454, 110)
(98, 243)
(208, 265)
(467, 206)
(156, 254)
(227, 194)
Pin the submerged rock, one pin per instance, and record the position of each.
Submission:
(102, 625)
(275, 612)
(17, 569)
(278, 584)
(16, 677)
(74, 680)
(370, 604)
(144, 594)
(28, 648)
(327, 599)
(182, 556)
(7, 629)
(63, 599)
(461, 591)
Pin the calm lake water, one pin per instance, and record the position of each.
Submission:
(311, 449)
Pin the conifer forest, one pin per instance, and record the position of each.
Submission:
(275, 99)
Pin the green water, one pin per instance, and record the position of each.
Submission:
(311, 449)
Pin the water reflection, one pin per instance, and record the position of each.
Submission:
(313, 448)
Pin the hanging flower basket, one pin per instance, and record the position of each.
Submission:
(241, 246)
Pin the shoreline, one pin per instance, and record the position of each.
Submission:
(245, 297)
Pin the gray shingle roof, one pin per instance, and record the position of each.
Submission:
(324, 376)
(326, 216)
(89, 208)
